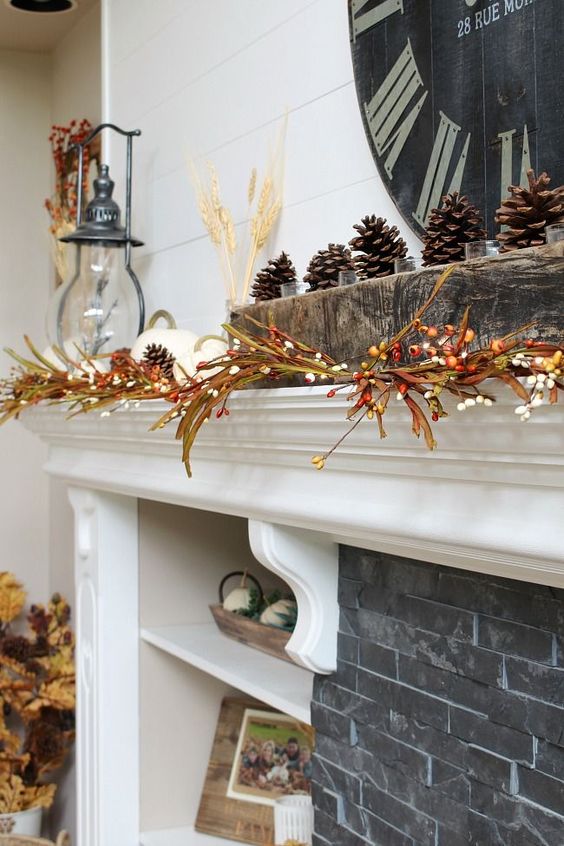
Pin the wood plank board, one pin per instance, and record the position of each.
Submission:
(282, 685)
(504, 293)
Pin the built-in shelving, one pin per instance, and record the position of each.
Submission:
(186, 836)
(282, 685)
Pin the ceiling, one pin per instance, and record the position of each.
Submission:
(37, 32)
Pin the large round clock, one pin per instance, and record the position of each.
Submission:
(459, 95)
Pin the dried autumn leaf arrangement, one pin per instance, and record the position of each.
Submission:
(37, 697)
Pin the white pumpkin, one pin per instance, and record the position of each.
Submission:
(206, 348)
(239, 599)
(177, 341)
(274, 614)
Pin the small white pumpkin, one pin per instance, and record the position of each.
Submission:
(274, 614)
(177, 341)
(239, 599)
(206, 348)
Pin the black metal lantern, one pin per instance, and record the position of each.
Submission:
(98, 310)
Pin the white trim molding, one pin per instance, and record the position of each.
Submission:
(107, 649)
(488, 499)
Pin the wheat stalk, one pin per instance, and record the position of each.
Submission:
(218, 220)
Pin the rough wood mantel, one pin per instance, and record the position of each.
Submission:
(504, 293)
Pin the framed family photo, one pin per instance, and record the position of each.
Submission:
(258, 756)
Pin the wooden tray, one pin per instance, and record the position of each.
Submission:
(266, 638)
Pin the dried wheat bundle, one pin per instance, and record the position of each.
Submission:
(264, 202)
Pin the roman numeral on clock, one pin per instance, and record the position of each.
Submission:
(376, 15)
(385, 113)
(507, 160)
(439, 163)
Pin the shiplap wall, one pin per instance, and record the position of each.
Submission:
(211, 79)
(24, 291)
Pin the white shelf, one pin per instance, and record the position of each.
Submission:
(183, 837)
(282, 685)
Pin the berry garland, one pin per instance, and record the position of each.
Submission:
(441, 360)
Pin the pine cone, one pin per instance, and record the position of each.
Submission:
(528, 211)
(269, 280)
(454, 224)
(325, 266)
(156, 355)
(379, 245)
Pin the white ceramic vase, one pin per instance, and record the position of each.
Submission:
(22, 822)
(293, 819)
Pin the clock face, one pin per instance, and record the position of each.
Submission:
(460, 95)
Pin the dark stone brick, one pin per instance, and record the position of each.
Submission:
(541, 826)
(378, 659)
(346, 675)
(353, 759)
(491, 769)
(446, 653)
(444, 684)
(432, 803)
(482, 831)
(396, 754)
(373, 828)
(333, 723)
(411, 702)
(418, 612)
(328, 802)
(344, 625)
(533, 605)
(335, 778)
(427, 738)
(400, 815)
(360, 708)
(349, 592)
(451, 781)
(499, 739)
(515, 639)
(559, 650)
(542, 789)
(537, 680)
(347, 648)
(316, 840)
(527, 715)
(492, 803)
(463, 659)
(550, 760)
(536, 825)
(402, 575)
(337, 835)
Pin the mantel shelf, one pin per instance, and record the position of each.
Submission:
(278, 683)
(485, 500)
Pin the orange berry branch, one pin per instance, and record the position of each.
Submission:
(416, 367)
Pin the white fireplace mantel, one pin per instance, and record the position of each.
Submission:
(489, 499)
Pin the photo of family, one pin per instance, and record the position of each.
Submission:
(273, 758)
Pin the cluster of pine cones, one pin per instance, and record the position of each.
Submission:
(371, 254)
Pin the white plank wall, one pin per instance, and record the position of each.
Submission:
(211, 79)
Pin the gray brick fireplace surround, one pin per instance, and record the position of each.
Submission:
(444, 723)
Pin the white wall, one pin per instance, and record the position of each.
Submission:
(75, 94)
(24, 291)
(213, 79)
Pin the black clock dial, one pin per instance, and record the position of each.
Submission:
(459, 95)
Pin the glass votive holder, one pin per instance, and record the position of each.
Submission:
(293, 289)
(347, 277)
(407, 264)
(554, 233)
(481, 249)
